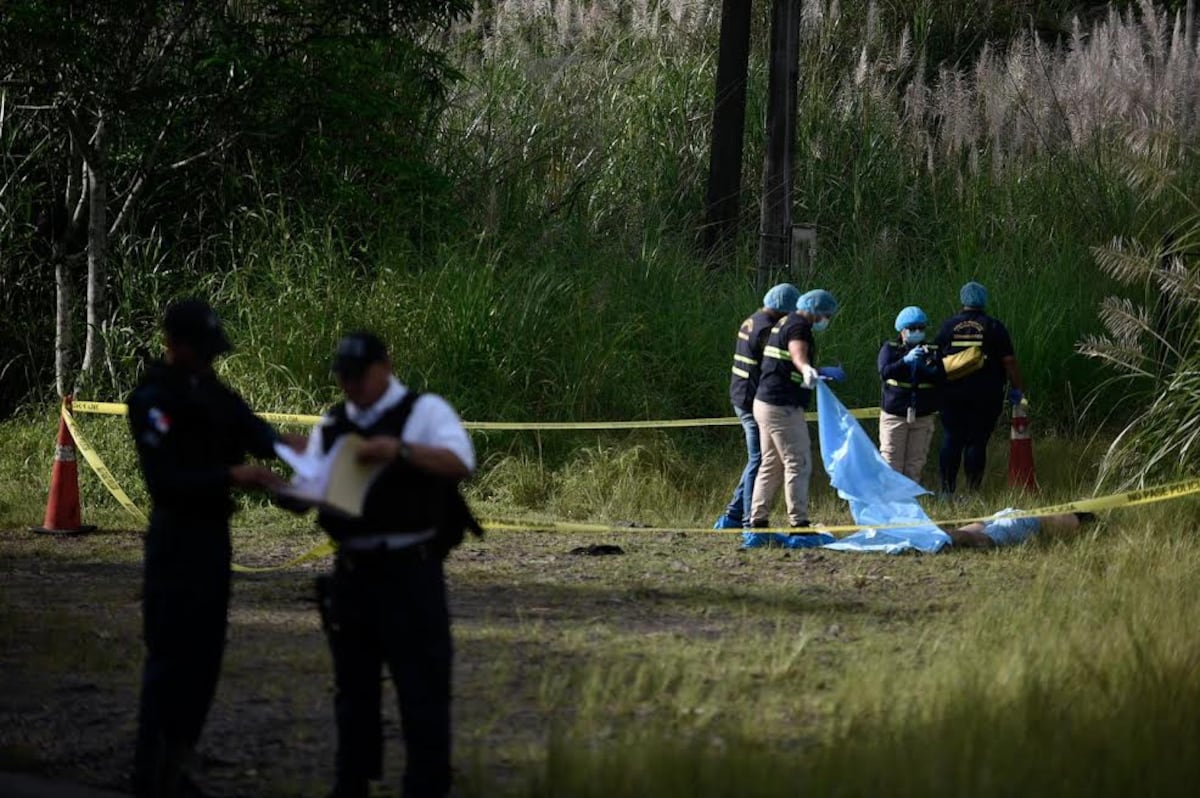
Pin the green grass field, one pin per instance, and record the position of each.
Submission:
(683, 667)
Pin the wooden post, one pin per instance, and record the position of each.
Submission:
(776, 221)
(723, 202)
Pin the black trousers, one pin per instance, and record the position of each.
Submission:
(390, 607)
(967, 424)
(185, 600)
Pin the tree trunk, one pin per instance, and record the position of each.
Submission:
(62, 321)
(1189, 97)
(723, 203)
(93, 348)
(1189, 29)
(775, 230)
(60, 253)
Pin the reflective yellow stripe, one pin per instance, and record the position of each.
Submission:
(744, 359)
(745, 375)
(896, 384)
(797, 377)
(966, 343)
(743, 336)
(777, 353)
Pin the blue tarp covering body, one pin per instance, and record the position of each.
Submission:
(878, 494)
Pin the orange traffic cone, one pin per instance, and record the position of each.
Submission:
(1021, 473)
(63, 514)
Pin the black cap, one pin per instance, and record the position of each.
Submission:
(194, 322)
(355, 352)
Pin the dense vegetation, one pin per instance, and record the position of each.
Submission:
(511, 195)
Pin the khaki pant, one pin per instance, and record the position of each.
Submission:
(786, 459)
(905, 445)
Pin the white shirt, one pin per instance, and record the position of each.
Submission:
(432, 422)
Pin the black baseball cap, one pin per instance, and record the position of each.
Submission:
(194, 322)
(355, 352)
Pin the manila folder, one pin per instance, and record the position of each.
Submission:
(341, 482)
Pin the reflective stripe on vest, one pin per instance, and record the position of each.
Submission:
(777, 353)
(898, 384)
(745, 375)
(957, 342)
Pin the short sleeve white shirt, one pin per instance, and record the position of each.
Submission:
(433, 422)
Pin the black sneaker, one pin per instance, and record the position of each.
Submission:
(1085, 518)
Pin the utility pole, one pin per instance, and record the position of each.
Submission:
(723, 202)
(776, 222)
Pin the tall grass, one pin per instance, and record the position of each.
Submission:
(578, 144)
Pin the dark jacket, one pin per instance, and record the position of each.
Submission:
(900, 390)
(972, 328)
(188, 430)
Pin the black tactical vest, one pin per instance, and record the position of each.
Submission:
(780, 383)
(402, 498)
(747, 359)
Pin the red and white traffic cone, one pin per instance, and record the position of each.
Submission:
(1021, 473)
(63, 513)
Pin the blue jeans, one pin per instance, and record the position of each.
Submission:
(739, 505)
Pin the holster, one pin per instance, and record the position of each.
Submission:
(325, 606)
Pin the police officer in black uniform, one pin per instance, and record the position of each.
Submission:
(192, 434)
(386, 599)
(971, 405)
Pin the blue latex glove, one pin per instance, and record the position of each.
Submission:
(914, 356)
(1015, 396)
(833, 373)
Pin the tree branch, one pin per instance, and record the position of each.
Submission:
(78, 136)
(182, 22)
(221, 145)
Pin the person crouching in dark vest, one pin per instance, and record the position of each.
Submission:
(386, 599)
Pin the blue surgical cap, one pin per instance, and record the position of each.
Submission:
(818, 301)
(909, 316)
(973, 295)
(782, 297)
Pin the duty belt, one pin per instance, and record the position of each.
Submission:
(386, 541)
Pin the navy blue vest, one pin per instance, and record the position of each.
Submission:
(747, 359)
(900, 391)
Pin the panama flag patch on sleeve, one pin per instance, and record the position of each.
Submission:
(160, 421)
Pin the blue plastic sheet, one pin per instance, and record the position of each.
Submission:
(877, 493)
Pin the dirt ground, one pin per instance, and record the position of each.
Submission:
(526, 611)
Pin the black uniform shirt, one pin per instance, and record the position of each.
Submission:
(189, 429)
(976, 328)
(780, 383)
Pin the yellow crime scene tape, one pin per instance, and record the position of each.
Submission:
(92, 458)
(1111, 501)
(118, 409)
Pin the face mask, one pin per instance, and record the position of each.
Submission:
(914, 336)
(818, 326)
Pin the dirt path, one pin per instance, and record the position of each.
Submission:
(528, 614)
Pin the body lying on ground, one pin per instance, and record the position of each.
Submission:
(1003, 530)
